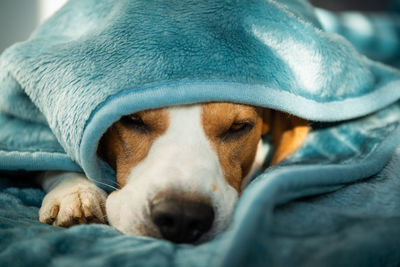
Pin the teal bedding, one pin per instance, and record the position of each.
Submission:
(334, 202)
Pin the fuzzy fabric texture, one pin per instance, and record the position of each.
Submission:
(93, 62)
(332, 203)
(332, 230)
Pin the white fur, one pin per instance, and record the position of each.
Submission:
(70, 197)
(181, 160)
(261, 154)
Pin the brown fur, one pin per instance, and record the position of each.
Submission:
(235, 155)
(288, 134)
(124, 148)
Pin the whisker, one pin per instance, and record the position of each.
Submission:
(118, 184)
(113, 187)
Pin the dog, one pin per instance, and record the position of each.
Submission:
(180, 170)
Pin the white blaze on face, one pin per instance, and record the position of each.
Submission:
(180, 161)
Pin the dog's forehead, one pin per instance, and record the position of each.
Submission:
(213, 110)
(227, 107)
(224, 114)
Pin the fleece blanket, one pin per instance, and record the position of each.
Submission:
(326, 230)
(332, 202)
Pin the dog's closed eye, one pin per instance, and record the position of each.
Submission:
(136, 123)
(237, 130)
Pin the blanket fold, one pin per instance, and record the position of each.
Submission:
(95, 61)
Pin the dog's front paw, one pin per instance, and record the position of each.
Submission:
(72, 202)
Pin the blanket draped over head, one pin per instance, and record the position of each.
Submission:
(95, 61)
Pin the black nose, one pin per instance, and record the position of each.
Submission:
(182, 221)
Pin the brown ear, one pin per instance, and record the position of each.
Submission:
(107, 146)
(267, 120)
(288, 133)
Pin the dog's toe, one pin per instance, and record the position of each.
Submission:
(48, 214)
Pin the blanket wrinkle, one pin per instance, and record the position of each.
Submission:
(334, 202)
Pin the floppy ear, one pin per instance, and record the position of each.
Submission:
(107, 147)
(267, 120)
(288, 132)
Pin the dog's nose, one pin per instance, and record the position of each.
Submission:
(182, 221)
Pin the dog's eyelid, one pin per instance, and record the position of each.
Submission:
(135, 122)
(244, 122)
(237, 130)
(136, 117)
(241, 126)
(132, 118)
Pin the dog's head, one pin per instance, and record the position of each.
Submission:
(180, 169)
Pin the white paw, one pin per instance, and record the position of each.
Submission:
(72, 202)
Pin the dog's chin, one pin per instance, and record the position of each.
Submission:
(129, 212)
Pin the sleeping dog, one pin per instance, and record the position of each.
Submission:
(179, 170)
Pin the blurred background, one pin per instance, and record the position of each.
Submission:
(18, 18)
(362, 5)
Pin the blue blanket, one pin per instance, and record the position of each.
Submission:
(332, 203)
(326, 230)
